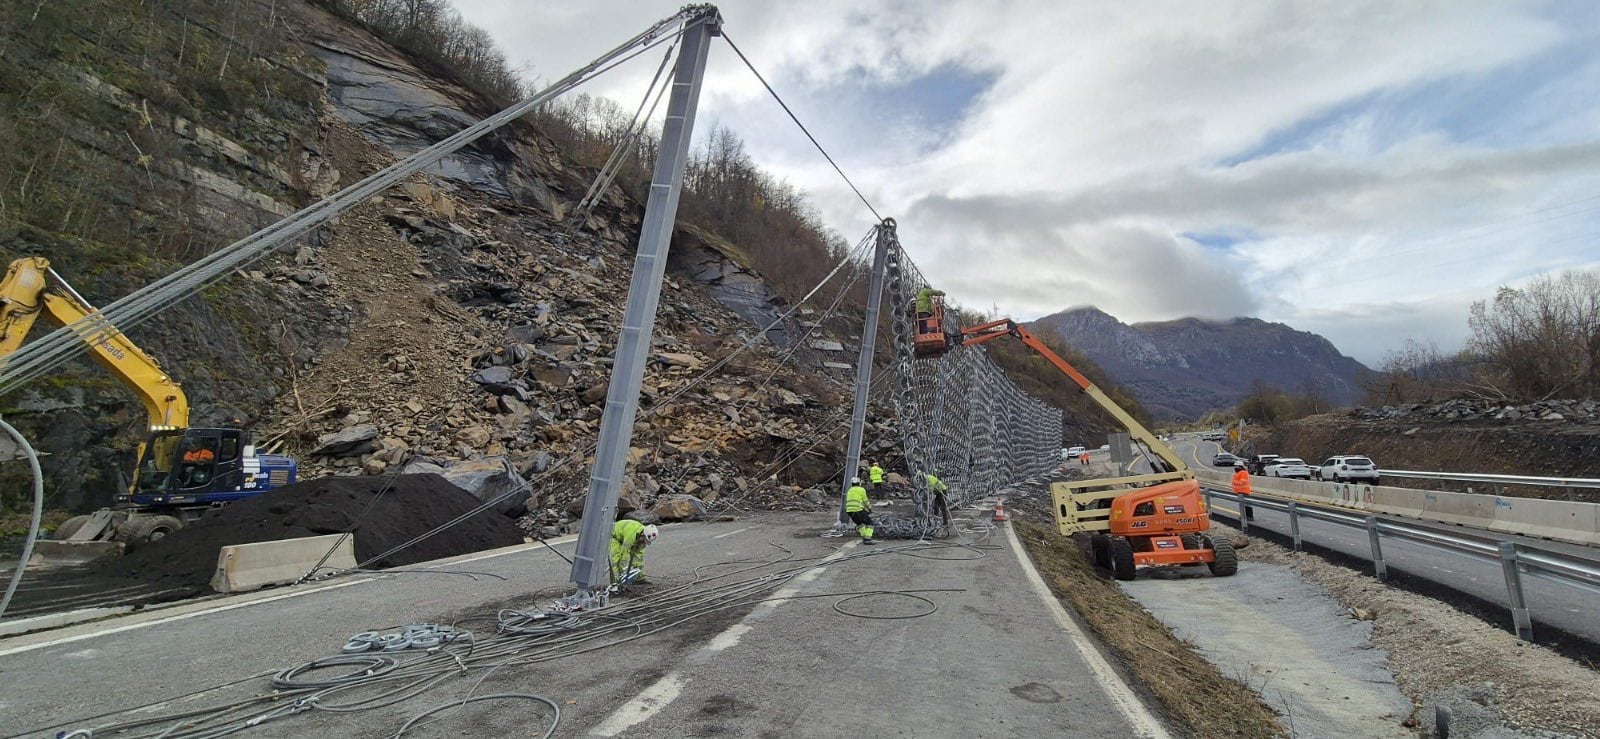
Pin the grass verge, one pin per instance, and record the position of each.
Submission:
(1192, 693)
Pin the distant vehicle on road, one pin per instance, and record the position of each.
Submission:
(1289, 467)
(1258, 463)
(1224, 460)
(1348, 469)
(1213, 436)
(1072, 452)
(1105, 447)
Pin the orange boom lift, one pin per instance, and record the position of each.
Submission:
(1155, 520)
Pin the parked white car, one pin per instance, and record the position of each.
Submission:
(1289, 467)
(1348, 469)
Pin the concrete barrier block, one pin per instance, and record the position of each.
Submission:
(242, 567)
(1549, 519)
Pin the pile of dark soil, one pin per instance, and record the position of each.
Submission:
(402, 507)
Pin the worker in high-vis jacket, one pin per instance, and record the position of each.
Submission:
(1241, 488)
(628, 540)
(875, 476)
(935, 485)
(859, 509)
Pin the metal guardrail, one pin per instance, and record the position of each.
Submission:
(1556, 482)
(1514, 558)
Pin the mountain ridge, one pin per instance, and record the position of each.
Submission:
(1185, 367)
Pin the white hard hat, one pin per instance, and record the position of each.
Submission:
(651, 532)
(855, 481)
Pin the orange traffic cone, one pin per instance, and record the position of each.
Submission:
(1000, 511)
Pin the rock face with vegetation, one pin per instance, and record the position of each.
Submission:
(1187, 367)
(462, 321)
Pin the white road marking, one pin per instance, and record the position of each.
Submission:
(178, 617)
(735, 531)
(1140, 721)
(501, 552)
(663, 692)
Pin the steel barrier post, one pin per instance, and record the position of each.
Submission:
(590, 564)
(869, 339)
(1294, 523)
(1380, 569)
(1519, 607)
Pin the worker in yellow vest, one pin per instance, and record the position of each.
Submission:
(859, 509)
(875, 476)
(935, 485)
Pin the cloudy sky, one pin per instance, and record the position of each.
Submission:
(1360, 169)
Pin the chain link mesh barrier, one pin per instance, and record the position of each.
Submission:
(958, 416)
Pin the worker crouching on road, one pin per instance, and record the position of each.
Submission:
(1241, 488)
(628, 540)
(859, 509)
(875, 476)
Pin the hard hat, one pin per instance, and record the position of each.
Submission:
(855, 481)
(1238, 465)
(651, 532)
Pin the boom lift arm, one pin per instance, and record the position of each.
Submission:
(25, 294)
(1003, 327)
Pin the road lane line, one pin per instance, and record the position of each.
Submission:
(663, 692)
(178, 617)
(735, 531)
(1140, 721)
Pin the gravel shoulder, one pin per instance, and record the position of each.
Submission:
(1494, 684)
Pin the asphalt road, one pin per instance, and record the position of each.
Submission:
(1556, 603)
(996, 657)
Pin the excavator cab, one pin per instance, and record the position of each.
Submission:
(930, 339)
(204, 466)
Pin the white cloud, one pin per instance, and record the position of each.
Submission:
(1385, 162)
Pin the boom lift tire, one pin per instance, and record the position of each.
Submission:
(1122, 566)
(1191, 541)
(1226, 562)
(1100, 547)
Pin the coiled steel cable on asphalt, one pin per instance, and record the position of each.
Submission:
(743, 586)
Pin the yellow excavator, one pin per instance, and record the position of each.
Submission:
(181, 471)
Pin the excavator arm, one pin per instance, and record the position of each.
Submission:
(25, 294)
(992, 330)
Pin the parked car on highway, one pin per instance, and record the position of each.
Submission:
(1348, 469)
(1223, 460)
(1071, 453)
(1213, 436)
(1289, 467)
(1105, 447)
(1258, 463)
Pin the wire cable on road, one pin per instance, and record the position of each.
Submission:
(803, 129)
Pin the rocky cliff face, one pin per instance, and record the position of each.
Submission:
(456, 317)
(1184, 368)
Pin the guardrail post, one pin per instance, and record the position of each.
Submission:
(1519, 607)
(1380, 569)
(1294, 523)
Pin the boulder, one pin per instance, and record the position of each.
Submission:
(643, 516)
(679, 508)
(351, 442)
(677, 360)
(492, 376)
(490, 478)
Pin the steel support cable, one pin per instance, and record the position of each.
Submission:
(50, 351)
(619, 152)
(33, 521)
(651, 615)
(802, 126)
(793, 350)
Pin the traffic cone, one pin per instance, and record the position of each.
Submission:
(1000, 511)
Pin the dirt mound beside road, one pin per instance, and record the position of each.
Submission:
(402, 507)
